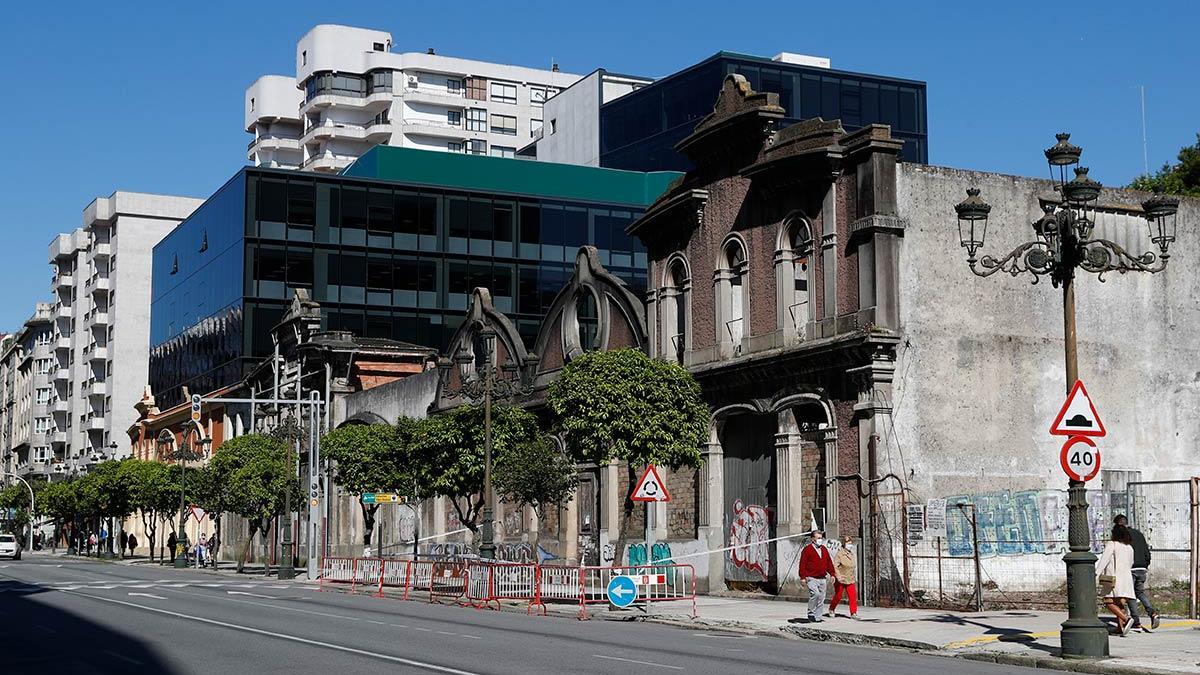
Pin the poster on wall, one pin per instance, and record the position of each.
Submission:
(935, 518)
(916, 522)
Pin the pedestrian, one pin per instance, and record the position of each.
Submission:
(1115, 567)
(91, 543)
(172, 540)
(213, 543)
(815, 565)
(1141, 570)
(124, 542)
(199, 550)
(845, 575)
(133, 542)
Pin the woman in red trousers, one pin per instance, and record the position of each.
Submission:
(845, 565)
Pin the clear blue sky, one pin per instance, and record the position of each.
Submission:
(148, 96)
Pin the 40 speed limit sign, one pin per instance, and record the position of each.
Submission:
(1080, 458)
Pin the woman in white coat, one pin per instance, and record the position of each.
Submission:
(1117, 561)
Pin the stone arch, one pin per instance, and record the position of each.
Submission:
(509, 346)
(732, 294)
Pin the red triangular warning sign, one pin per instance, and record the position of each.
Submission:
(1078, 416)
(651, 487)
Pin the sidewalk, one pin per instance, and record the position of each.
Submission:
(1028, 638)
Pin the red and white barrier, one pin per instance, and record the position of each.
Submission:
(336, 571)
(366, 572)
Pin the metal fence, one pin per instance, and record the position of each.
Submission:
(1004, 550)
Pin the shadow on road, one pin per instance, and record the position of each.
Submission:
(40, 638)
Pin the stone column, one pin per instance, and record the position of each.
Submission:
(791, 514)
(711, 514)
(652, 319)
(829, 257)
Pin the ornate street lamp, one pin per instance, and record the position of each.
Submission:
(480, 381)
(1063, 243)
(288, 432)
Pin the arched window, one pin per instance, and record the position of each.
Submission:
(587, 316)
(732, 297)
(793, 276)
(675, 303)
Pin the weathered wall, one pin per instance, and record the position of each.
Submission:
(980, 371)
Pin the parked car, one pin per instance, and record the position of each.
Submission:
(10, 547)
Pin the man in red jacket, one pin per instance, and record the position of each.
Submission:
(815, 565)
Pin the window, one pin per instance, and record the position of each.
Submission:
(553, 126)
(504, 124)
(502, 92)
(537, 97)
(476, 119)
(587, 318)
(42, 396)
(454, 87)
(476, 147)
(251, 104)
(731, 298)
(41, 425)
(793, 273)
(454, 118)
(674, 306)
(42, 366)
(454, 146)
(502, 151)
(477, 88)
(380, 81)
(304, 58)
(534, 127)
(377, 46)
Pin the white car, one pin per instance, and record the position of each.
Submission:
(10, 547)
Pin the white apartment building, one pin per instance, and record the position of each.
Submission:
(26, 366)
(101, 337)
(351, 92)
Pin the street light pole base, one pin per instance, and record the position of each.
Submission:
(1084, 640)
(181, 561)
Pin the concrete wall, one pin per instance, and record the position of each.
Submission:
(575, 136)
(980, 372)
(409, 397)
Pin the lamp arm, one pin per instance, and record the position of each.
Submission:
(1102, 256)
(1035, 257)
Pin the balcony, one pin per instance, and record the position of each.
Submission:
(379, 132)
(64, 312)
(433, 128)
(94, 423)
(99, 319)
(97, 389)
(101, 285)
(327, 162)
(435, 97)
(102, 250)
(62, 343)
(63, 282)
(272, 142)
(60, 406)
(98, 354)
(376, 102)
(58, 438)
(62, 374)
(330, 130)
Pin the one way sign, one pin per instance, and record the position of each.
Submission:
(1078, 416)
(651, 487)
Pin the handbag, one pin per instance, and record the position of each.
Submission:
(1104, 585)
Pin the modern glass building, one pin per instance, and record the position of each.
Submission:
(392, 248)
(639, 130)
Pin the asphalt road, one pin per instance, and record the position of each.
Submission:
(69, 616)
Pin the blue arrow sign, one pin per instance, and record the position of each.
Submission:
(622, 591)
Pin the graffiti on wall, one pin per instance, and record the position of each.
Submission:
(660, 552)
(1023, 522)
(519, 552)
(751, 524)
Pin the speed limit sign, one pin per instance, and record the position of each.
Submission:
(1080, 458)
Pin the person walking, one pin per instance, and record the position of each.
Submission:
(91, 543)
(133, 542)
(1141, 570)
(845, 575)
(124, 541)
(815, 565)
(199, 550)
(213, 543)
(172, 540)
(1115, 582)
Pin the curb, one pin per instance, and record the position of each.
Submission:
(1103, 667)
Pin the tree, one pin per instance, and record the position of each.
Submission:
(16, 497)
(256, 472)
(447, 453)
(536, 474)
(59, 501)
(623, 405)
(106, 492)
(154, 493)
(370, 458)
(1178, 179)
(209, 492)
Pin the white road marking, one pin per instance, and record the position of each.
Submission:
(291, 638)
(253, 595)
(398, 625)
(263, 604)
(379, 623)
(726, 637)
(442, 632)
(149, 595)
(424, 630)
(642, 663)
(473, 637)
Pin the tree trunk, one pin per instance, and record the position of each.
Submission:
(241, 563)
(368, 512)
(623, 523)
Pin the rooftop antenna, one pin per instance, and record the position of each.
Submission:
(1145, 154)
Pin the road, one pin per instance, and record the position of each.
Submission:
(70, 616)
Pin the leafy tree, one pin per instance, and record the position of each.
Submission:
(256, 471)
(535, 473)
(447, 453)
(1178, 179)
(59, 501)
(209, 492)
(623, 405)
(370, 458)
(16, 497)
(105, 493)
(154, 493)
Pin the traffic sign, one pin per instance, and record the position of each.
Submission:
(381, 498)
(651, 487)
(622, 591)
(1078, 416)
(195, 407)
(1080, 458)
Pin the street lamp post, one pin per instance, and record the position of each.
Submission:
(1063, 243)
(486, 386)
(186, 452)
(289, 432)
(29, 543)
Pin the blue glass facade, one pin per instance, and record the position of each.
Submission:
(639, 130)
(384, 259)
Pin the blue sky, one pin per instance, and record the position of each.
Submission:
(148, 96)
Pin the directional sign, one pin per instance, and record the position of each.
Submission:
(622, 591)
(381, 498)
(368, 498)
(1080, 458)
(1078, 416)
(651, 487)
